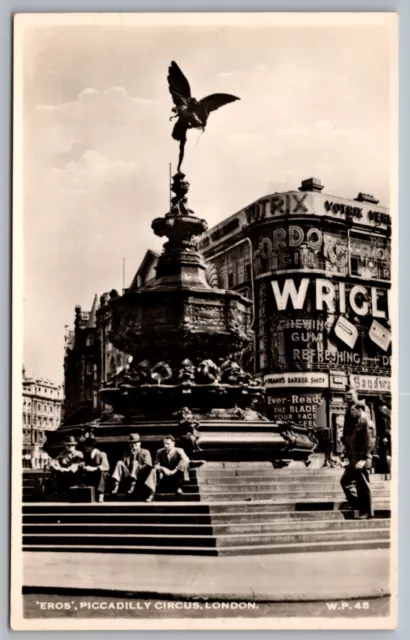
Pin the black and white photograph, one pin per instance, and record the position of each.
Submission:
(205, 226)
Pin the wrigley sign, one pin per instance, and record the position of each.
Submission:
(330, 296)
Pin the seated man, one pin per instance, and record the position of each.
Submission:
(64, 468)
(94, 469)
(135, 466)
(171, 464)
(189, 428)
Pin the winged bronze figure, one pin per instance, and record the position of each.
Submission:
(191, 113)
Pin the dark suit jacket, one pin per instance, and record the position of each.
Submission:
(178, 460)
(363, 440)
(97, 459)
(142, 456)
(349, 427)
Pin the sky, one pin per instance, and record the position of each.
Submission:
(97, 144)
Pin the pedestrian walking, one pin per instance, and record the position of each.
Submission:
(356, 478)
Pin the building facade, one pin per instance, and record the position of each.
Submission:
(112, 360)
(82, 367)
(42, 410)
(90, 361)
(318, 269)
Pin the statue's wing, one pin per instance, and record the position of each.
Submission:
(216, 100)
(178, 85)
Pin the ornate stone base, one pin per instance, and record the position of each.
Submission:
(218, 439)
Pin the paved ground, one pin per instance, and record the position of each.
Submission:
(311, 577)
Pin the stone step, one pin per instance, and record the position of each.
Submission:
(296, 495)
(295, 469)
(190, 496)
(221, 468)
(293, 526)
(309, 547)
(221, 541)
(249, 529)
(306, 547)
(273, 497)
(253, 517)
(120, 539)
(269, 485)
(306, 506)
(232, 478)
(194, 508)
(264, 514)
(175, 507)
(235, 465)
(298, 537)
(253, 476)
(276, 474)
(81, 529)
(146, 549)
(117, 518)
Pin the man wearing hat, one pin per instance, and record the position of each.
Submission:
(351, 398)
(356, 479)
(383, 431)
(95, 467)
(135, 466)
(64, 468)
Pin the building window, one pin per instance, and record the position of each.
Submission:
(95, 399)
(355, 266)
(89, 368)
(88, 394)
(89, 340)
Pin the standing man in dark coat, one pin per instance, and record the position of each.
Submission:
(135, 466)
(356, 479)
(383, 430)
(350, 422)
(172, 465)
(351, 398)
(95, 468)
